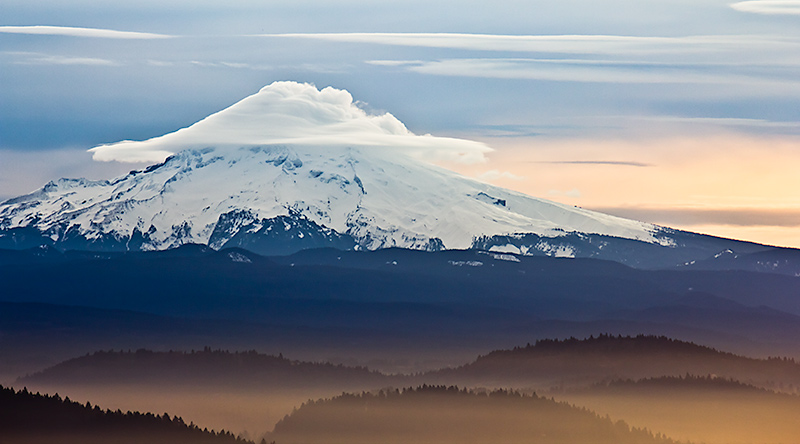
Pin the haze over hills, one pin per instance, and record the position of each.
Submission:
(646, 380)
(707, 409)
(449, 415)
(561, 365)
(206, 368)
(242, 391)
(566, 364)
(292, 168)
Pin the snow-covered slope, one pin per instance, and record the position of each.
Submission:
(297, 167)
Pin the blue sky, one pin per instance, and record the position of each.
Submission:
(683, 113)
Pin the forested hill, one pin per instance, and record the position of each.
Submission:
(27, 418)
(220, 368)
(692, 384)
(447, 415)
(605, 357)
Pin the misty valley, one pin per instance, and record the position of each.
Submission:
(194, 345)
(408, 222)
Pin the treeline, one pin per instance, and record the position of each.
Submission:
(28, 418)
(697, 384)
(579, 362)
(221, 368)
(448, 414)
(610, 343)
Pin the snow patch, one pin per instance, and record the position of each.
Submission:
(467, 263)
(723, 253)
(557, 250)
(239, 257)
(502, 257)
(508, 248)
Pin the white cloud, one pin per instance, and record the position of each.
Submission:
(80, 32)
(295, 113)
(719, 121)
(776, 7)
(162, 63)
(221, 64)
(394, 62)
(563, 44)
(44, 59)
(619, 72)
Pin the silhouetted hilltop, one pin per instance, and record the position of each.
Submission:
(574, 361)
(204, 368)
(27, 418)
(450, 415)
(698, 385)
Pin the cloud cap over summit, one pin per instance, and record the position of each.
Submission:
(291, 113)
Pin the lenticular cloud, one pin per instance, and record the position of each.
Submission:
(290, 113)
(777, 7)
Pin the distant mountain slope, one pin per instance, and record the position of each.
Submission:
(27, 418)
(461, 277)
(34, 336)
(448, 415)
(576, 362)
(343, 179)
(776, 260)
(205, 368)
(463, 302)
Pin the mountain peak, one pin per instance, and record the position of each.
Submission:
(293, 167)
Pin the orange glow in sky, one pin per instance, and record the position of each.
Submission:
(729, 185)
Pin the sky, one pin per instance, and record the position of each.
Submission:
(684, 113)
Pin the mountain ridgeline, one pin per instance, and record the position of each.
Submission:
(205, 368)
(548, 364)
(581, 362)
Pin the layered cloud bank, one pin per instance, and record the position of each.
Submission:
(290, 113)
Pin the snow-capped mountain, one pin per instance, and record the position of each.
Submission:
(292, 167)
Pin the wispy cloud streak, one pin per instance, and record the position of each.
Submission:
(719, 121)
(45, 59)
(597, 162)
(772, 7)
(69, 31)
(767, 217)
(568, 44)
(593, 71)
